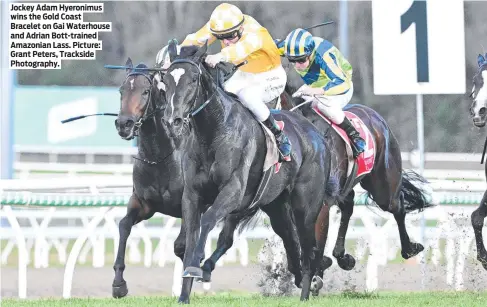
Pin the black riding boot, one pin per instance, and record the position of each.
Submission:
(281, 138)
(357, 142)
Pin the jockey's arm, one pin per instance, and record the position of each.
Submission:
(280, 46)
(199, 37)
(237, 53)
(338, 83)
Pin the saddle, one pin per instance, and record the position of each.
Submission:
(364, 163)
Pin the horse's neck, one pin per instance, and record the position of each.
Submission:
(154, 141)
(211, 121)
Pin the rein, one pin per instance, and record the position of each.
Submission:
(204, 104)
(144, 116)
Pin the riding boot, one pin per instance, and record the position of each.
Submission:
(282, 140)
(357, 142)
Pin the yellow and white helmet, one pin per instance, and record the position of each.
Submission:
(225, 21)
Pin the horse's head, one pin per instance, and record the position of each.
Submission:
(478, 108)
(183, 85)
(136, 94)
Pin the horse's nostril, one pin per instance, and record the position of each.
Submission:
(129, 123)
(178, 122)
(482, 111)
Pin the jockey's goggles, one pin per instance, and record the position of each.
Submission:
(229, 36)
(299, 59)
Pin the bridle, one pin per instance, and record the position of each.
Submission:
(144, 116)
(196, 110)
(476, 90)
(193, 104)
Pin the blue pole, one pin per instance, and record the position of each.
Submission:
(344, 27)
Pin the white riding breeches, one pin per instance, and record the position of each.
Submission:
(332, 106)
(257, 89)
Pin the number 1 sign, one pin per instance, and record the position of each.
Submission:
(418, 47)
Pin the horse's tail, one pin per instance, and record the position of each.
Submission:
(248, 219)
(414, 195)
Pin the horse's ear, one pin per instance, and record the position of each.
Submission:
(129, 64)
(201, 51)
(172, 48)
(481, 60)
(160, 85)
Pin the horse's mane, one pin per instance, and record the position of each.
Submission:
(218, 74)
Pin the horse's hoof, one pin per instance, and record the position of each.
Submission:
(326, 263)
(206, 277)
(120, 290)
(193, 272)
(183, 300)
(347, 262)
(316, 285)
(415, 248)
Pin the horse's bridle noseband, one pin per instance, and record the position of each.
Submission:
(203, 105)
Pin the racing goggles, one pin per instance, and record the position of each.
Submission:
(229, 36)
(298, 59)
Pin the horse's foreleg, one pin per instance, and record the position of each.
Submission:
(228, 200)
(180, 242)
(345, 261)
(135, 214)
(191, 204)
(477, 219)
(225, 241)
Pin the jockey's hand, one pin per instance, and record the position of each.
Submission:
(214, 59)
(307, 90)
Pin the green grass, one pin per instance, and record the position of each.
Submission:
(346, 299)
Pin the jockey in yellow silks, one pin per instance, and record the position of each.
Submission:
(261, 79)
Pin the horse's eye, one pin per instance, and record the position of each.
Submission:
(195, 79)
(145, 93)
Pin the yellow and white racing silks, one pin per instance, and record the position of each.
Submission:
(256, 46)
(262, 78)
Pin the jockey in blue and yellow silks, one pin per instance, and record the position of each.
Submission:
(327, 76)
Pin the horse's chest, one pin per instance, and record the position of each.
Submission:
(159, 187)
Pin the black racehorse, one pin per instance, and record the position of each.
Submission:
(223, 163)
(478, 110)
(387, 184)
(157, 175)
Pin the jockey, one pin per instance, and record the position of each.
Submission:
(327, 76)
(259, 81)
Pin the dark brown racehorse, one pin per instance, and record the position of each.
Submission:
(387, 184)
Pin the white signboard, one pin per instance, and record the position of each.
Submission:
(418, 47)
(58, 132)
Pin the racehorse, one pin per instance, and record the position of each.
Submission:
(378, 170)
(157, 174)
(224, 163)
(478, 112)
